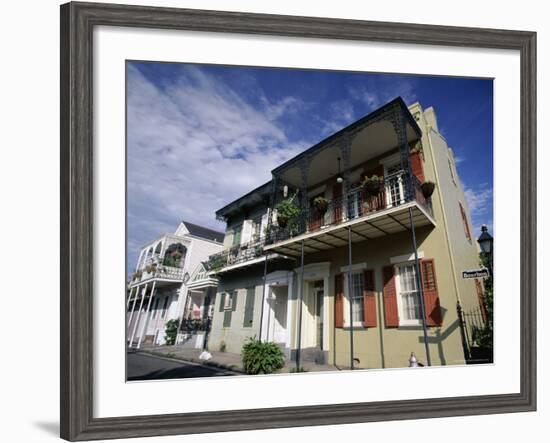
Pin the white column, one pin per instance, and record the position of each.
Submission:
(139, 313)
(133, 309)
(267, 314)
(290, 323)
(129, 298)
(147, 315)
(183, 296)
(325, 314)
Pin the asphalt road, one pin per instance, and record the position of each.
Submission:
(150, 367)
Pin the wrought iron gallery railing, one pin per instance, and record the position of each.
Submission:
(396, 191)
(236, 254)
(158, 271)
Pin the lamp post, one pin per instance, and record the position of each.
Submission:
(485, 241)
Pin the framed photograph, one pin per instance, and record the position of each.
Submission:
(274, 221)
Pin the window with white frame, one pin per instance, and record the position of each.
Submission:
(357, 287)
(394, 185)
(408, 294)
(228, 300)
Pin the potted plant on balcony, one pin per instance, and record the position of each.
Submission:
(150, 268)
(286, 210)
(321, 205)
(373, 185)
(427, 189)
(258, 251)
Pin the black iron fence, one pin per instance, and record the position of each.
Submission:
(477, 334)
(194, 325)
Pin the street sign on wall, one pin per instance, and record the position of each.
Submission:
(476, 273)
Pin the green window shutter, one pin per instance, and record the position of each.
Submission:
(228, 312)
(249, 308)
(237, 235)
(227, 318)
(222, 301)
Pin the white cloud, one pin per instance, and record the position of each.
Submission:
(193, 146)
(372, 95)
(479, 201)
(341, 113)
(459, 159)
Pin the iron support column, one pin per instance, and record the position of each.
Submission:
(350, 299)
(420, 290)
(263, 299)
(300, 302)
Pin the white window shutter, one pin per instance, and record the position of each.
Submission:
(246, 232)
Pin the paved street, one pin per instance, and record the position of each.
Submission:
(150, 367)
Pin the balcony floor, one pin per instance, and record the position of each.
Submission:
(378, 224)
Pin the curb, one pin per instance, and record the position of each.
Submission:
(196, 361)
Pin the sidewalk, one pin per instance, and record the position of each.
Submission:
(224, 360)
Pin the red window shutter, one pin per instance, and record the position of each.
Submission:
(431, 296)
(465, 221)
(390, 298)
(369, 300)
(339, 301)
(416, 166)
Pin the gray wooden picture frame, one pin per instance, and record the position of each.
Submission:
(77, 23)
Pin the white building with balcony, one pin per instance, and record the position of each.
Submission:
(159, 287)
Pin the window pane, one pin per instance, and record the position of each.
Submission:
(409, 292)
(357, 293)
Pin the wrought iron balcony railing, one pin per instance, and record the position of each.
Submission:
(236, 254)
(158, 271)
(396, 191)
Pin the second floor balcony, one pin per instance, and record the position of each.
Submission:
(243, 253)
(363, 182)
(369, 215)
(159, 272)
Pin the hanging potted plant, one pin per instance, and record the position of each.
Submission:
(427, 189)
(321, 205)
(373, 185)
(286, 210)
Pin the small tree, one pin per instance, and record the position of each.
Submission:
(261, 357)
(286, 211)
(171, 331)
(484, 336)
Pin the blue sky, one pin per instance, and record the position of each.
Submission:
(200, 136)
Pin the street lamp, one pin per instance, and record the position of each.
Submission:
(485, 240)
